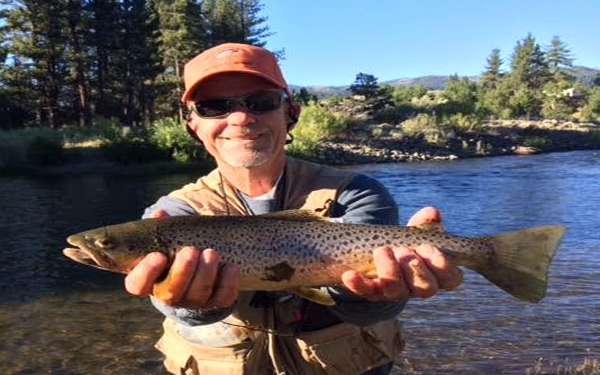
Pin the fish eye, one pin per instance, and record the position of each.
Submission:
(103, 243)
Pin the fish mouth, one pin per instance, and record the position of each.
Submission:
(89, 256)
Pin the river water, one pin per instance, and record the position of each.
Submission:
(57, 317)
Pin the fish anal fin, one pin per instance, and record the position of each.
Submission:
(315, 295)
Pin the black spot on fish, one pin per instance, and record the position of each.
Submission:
(279, 272)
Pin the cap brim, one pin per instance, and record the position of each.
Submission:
(190, 90)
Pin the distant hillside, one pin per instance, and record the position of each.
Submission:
(433, 82)
(585, 75)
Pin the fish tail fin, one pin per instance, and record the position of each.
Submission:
(521, 260)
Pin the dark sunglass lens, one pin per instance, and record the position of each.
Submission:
(213, 108)
(263, 101)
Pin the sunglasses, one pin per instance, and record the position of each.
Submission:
(257, 102)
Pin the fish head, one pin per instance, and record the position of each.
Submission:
(110, 248)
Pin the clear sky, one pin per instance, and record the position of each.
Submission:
(327, 42)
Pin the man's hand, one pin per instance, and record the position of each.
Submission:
(407, 273)
(195, 279)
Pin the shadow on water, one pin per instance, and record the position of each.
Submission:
(58, 317)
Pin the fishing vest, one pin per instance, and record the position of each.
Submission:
(261, 338)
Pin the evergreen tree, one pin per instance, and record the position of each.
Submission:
(65, 61)
(559, 60)
(103, 38)
(181, 37)
(139, 61)
(35, 30)
(528, 64)
(77, 60)
(252, 25)
(235, 21)
(492, 74)
(365, 85)
(302, 96)
(529, 73)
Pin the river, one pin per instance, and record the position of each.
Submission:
(57, 317)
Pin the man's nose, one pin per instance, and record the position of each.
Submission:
(240, 116)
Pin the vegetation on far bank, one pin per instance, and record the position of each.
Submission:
(384, 123)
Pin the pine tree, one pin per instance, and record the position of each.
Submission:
(139, 59)
(235, 21)
(35, 30)
(529, 73)
(251, 23)
(528, 64)
(492, 74)
(78, 60)
(559, 60)
(365, 85)
(181, 37)
(103, 42)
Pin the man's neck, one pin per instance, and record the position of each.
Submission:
(254, 181)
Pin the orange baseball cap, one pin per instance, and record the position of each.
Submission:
(231, 58)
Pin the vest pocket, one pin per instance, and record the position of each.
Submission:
(183, 357)
(346, 349)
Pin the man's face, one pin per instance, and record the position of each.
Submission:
(240, 138)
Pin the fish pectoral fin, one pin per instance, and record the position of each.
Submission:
(294, 215)
(315, 295)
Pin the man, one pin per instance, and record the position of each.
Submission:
(240, 109)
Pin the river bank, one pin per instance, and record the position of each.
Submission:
(383, 143)
(378, 143)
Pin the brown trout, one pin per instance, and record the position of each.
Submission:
(297, 251)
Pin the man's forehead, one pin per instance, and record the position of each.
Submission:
(232, 84)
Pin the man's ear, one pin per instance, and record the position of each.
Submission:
(294, 109)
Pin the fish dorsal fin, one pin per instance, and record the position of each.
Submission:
(433, 226)
(294, 215)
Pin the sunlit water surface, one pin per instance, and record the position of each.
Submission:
(57, 317)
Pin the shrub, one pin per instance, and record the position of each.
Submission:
(170, 135)
(101, 131)
(405, 94)
(316, 124)
(420, 124)
(463, 122)
(395, 114)
(591, 110)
